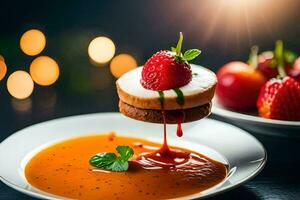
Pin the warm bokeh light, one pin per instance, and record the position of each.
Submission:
(121, 64)
(20, 85)
(44, 70)
(3, 68)
(33, 42)
(101, 49)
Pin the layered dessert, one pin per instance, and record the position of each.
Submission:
(167, 86)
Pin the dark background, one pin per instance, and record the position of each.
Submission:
(223, 30)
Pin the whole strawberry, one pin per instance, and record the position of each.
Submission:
(280, 98)
(168, 69)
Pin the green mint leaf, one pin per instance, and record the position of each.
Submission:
(173, 49)
(119, 166)
(125, 151)
(103, 160)
(191, 54)
(110, 161)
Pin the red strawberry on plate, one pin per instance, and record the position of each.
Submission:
(168, 69)
(280, 98)
(267, 62)
(239, 84)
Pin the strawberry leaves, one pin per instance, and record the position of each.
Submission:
(188, 55)
(191, 54)
(112, 162)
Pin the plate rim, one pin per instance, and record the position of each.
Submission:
(217, 110)
(252, 175)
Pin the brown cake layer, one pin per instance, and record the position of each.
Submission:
(196, 100)
(155, 116)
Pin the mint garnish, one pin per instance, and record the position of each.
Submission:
(112, 162)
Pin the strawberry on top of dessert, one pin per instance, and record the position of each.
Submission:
(168, 69)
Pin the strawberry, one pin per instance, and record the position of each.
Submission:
(239, 84)
(168, 69)
(267, 62)
(280, 98)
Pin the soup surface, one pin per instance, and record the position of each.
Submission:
(63, 169)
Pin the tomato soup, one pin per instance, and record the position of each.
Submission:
(63, 169)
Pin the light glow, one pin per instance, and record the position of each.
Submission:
(3, 68)
(121, 64)
(243, 21)
(44, 70)
(101, 49)
(20, 85)
(33, 42)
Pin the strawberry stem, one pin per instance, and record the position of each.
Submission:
(179, 45)
(279, 57)
(252, 61)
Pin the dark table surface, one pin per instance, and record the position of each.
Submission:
(142, 28)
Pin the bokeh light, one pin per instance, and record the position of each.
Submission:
(33, 42)
(121, 64)
(44, 70)
(20, 85)
(101, 49)
(3, 68)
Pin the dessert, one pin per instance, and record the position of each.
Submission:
(168, 84)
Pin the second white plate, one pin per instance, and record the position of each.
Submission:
(254, 123)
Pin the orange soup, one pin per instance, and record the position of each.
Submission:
(63, 169)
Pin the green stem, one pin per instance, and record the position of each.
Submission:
(179, 44)
(252, 61)
(279, 57)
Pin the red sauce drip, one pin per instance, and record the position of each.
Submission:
(180, 119)
(166, 157)
(165, 147)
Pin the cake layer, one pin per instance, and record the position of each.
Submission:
(155, 116)
(198, 92)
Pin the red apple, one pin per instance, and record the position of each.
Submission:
(238, 86)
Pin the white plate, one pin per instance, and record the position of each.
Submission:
(223, 142)
(254, 123)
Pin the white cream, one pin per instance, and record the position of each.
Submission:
(130, 83)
